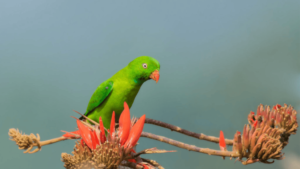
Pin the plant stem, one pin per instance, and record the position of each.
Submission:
(190, 147)
(186, 132)
(54, 140)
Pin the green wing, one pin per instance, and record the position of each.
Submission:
(101, 93)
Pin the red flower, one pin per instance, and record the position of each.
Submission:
(128, 137)
(135, 133)
(222, 143)
(95, 140)
(255, 124)
(132, 160)
(85, 134)
(277, 106)
(71, 134)
(112, 126)
(125, 124)
(102, 132)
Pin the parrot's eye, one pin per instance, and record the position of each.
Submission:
(145, 65)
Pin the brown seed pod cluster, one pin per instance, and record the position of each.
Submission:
(258, 143)
(268, 134)
(26, 142)
(278, 117)
(107, 155)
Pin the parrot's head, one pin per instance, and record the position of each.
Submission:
(144, 68)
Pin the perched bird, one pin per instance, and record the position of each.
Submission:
(121, 87)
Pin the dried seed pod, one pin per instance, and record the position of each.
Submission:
(282, 117)
(106, 155)
(235, 142)
(251, 117)
(245, 139)
(26, 142)
(269, 133)
(239, 145)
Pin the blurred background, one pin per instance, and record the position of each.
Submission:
(219, 60)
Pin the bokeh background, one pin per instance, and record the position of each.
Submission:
(219, 60)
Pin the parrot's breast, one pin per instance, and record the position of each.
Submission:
(123, 91)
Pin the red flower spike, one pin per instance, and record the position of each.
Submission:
(255, 123)
(278, 118)
(294, 117)
(239, 145)
(68, 134)
(102, 132)
(124, 124)
(277, 106)
(251, 117)
(289, 110)
(258, 110)
(95, 140)
(246, 136)
(235, 141)
(135, 133)
(261, 108)
(273, 113)
(251, 132)
(97, 132)
(131, 160)
(222, 143)
(112, 126)
(85, 134)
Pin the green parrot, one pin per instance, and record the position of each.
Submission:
(121, 87)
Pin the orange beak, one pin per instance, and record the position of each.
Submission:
(155, 75)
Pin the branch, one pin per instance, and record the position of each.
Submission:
(152, 162)
(27, 142)
(54, 140)
(186, 132)
(151, 151)
(189, 147)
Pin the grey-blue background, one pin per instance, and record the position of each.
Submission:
(219, 60)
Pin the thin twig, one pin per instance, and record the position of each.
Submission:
(189, 147)
(95, 123)
(27, 142)
(58, 139)
(186, 132)
(151, 151)
(153, 162)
